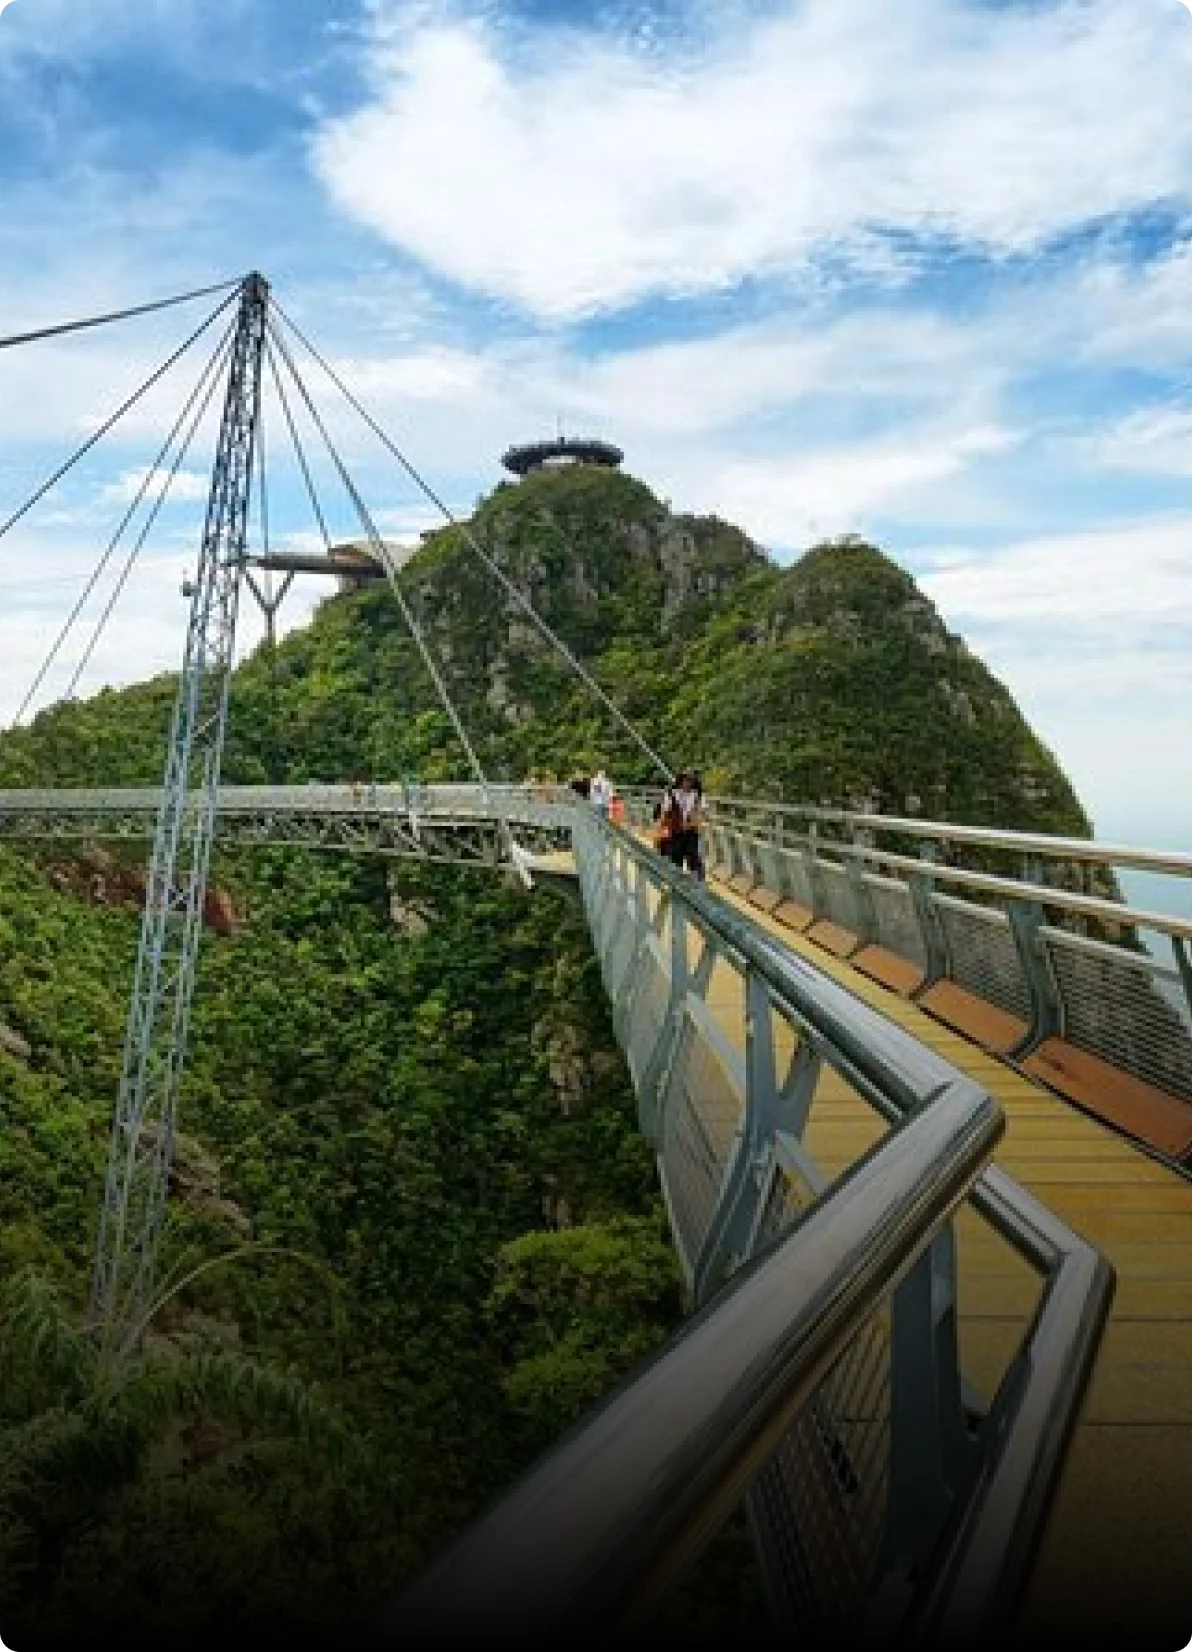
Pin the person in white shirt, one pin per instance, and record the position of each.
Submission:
(601, 793)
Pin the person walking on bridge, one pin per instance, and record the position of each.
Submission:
(682, 820)
(600, 794)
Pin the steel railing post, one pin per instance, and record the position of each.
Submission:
(935, 947)
(1047, 1015)
(931, 1451)
(753, 1146)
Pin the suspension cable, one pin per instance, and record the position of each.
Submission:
(86, 447)
(296, 440)
(219, 362)
(494, 568)
(265, 598)
(138, 497)
(381, 552)
(263, 507)
(114, 315)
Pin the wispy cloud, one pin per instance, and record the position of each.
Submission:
(1151, 441)
(184, 486)
(1091, 630)
(573, 174)
(1121, 576)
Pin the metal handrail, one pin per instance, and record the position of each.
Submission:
(990, 883)
(313, 795)
(1176, 862)
(991, 1549)
(602, 1526)
(595, 1534)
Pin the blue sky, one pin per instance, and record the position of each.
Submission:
(919, 271)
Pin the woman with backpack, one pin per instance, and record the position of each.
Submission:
(679, 819)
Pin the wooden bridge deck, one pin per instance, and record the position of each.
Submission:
(1115, 1559)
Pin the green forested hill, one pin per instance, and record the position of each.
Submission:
(408, 1139)
(830, 681)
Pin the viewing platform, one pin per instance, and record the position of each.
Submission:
(529, 457)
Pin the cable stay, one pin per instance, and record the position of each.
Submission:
(267, 601)
(299, 452)
(114, 315)
(207, 379)
(219, 363)
(470, 539)
(114, 419)
(381, 552)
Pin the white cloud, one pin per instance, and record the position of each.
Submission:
(1150, 441)
(790, 500)
(144, 635)
(1090, 631)
(437, 374)
(583, 174)
(1115, 579)
(186, 485)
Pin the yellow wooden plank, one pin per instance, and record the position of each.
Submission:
(1112, 1570)
(1078, 1189)
(1115, 1551)
(1104, 1227)
(1147, 1396)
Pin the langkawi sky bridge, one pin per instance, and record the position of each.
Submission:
(920, 1096)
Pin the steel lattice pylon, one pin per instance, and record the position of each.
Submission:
(142, 1139)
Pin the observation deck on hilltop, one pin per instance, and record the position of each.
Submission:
(563, 450)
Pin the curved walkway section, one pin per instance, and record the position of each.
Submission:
(1115, 1558)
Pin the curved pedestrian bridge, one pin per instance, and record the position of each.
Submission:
(1117, 1535)
(920, 1131)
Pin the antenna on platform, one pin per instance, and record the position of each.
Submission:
(142, 1141)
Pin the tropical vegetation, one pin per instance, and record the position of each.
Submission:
(414, 1231)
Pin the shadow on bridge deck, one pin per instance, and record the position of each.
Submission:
(1114, 1560)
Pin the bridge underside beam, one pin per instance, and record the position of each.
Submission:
(456, 842)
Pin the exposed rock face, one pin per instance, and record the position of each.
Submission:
(409, 918)
(195, 1178)
(14, 1044)
(100, 877)
(568, 1055)
(219, 912)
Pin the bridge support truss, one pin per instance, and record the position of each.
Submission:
(142, 1140)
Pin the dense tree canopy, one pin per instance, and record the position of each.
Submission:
(412, 1217)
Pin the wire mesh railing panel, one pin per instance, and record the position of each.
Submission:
(770, 867)
(647, 1013)
(622, 947)
(798, 879)
(1125, 1008)
(898, 928)
(747, 1080)
(750, 861)
(982, 955)
(701, 1111)
(838, 895)
(820, 1505)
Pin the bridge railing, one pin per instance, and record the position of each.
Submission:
(822, 1377)
(449, 801)
(1050, 975)
(1063, 971)
(459, 824)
